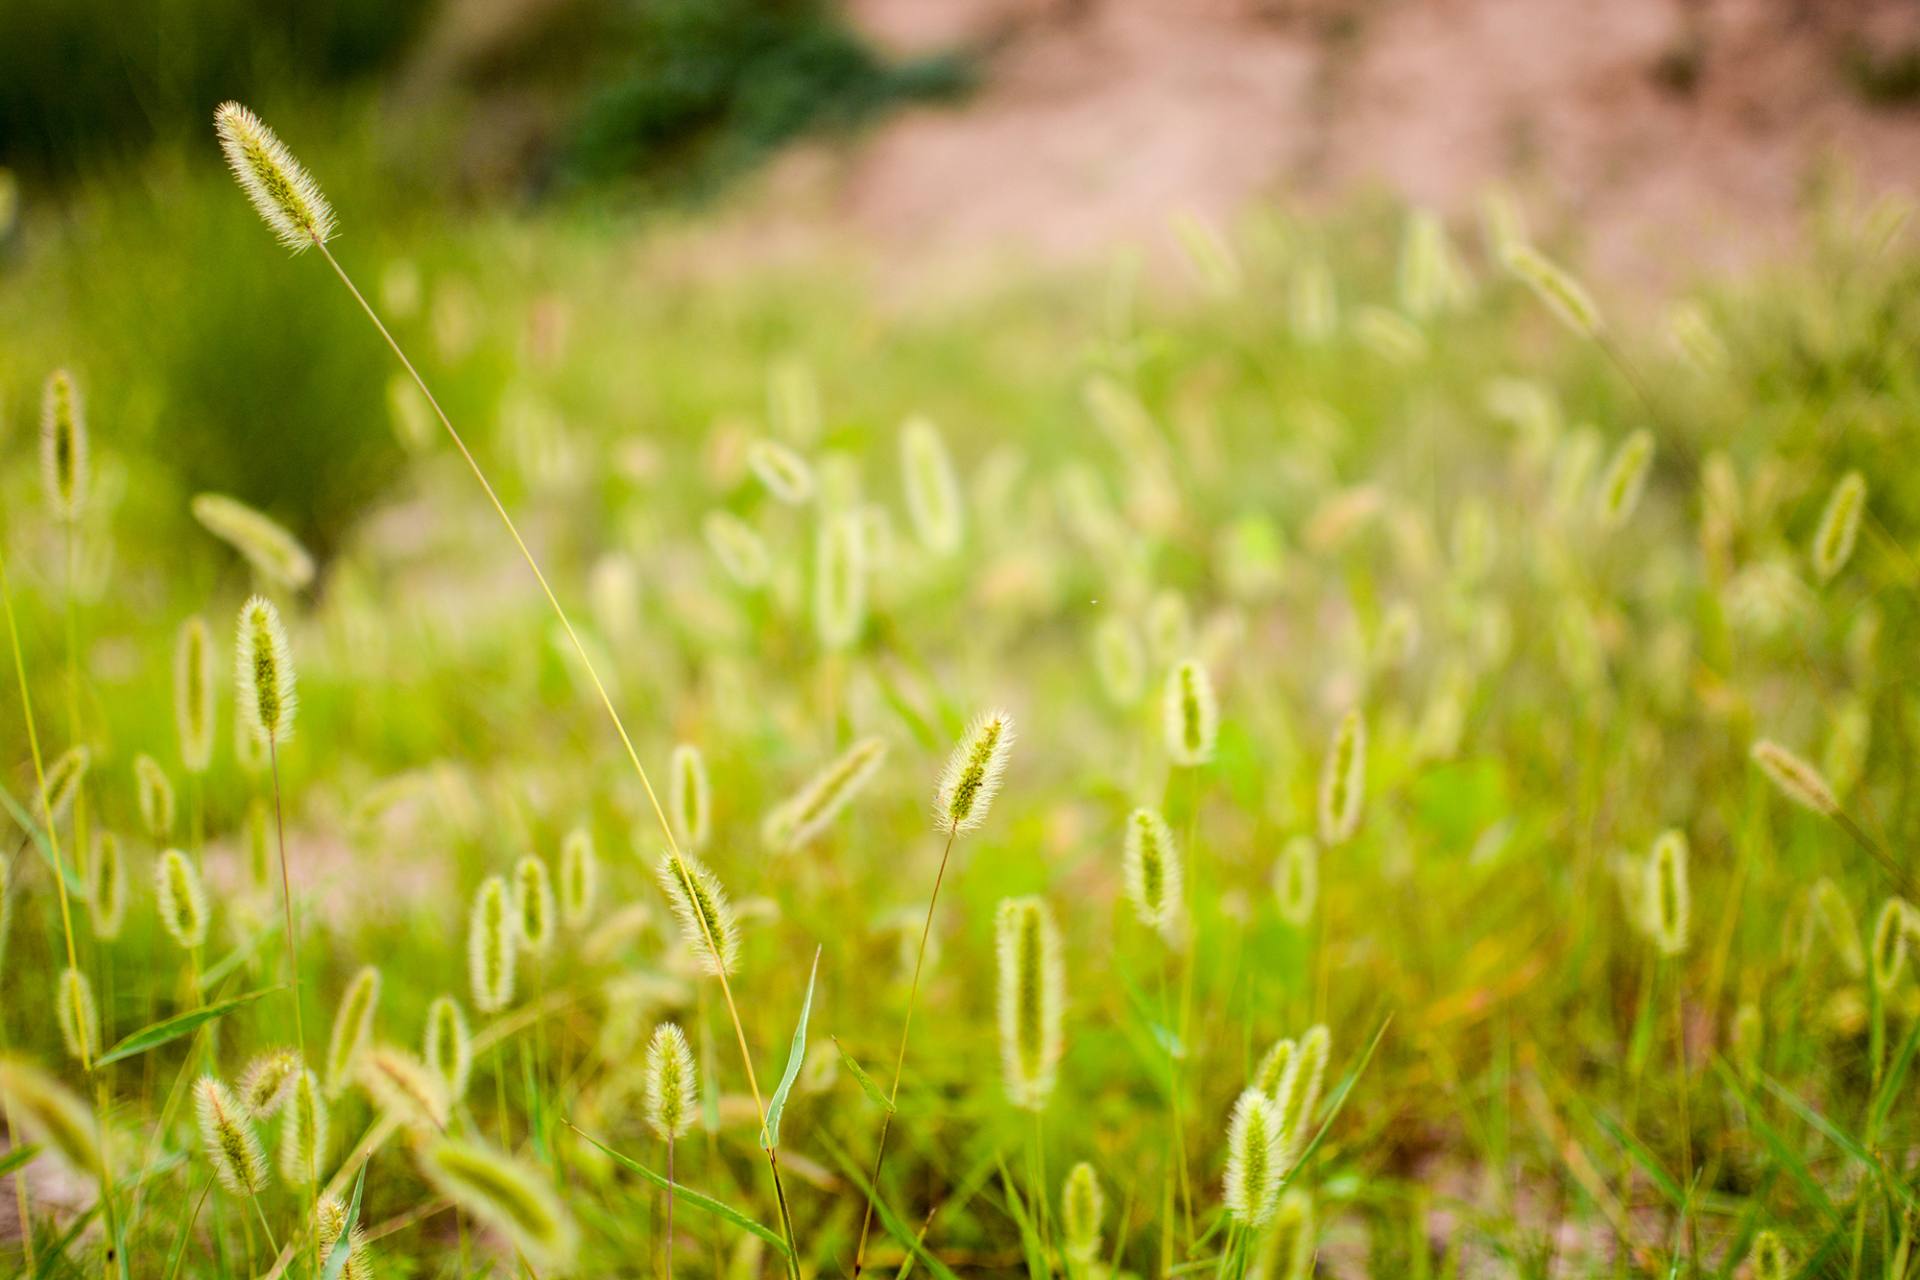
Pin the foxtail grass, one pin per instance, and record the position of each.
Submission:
(671, 1087)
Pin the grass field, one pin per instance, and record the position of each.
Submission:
(1383, 649)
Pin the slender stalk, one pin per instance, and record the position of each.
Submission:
(599, 686)
(900, 1058)
(293, 962)
(1686, 1128)
(669, 1239)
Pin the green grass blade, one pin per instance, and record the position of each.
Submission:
(1786, 1155)
(1895, 1079)
(687, 1195)
(342, 1251)
(1338, 1101)
(796, 1056)
(859, 1073)
(1846, 1142)
(181, 1024)
(18, 1158)
(1648, 1162)
(908, 1239)
(64, 867)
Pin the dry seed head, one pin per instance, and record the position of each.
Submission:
(492, 946)
(1798, 780)
(1082, 1207)
(1839, 526)
(1152, 872)
(1120, 659)
(64, 470)
(51, 1114)
(1296, 881)
(1298, 1094)
(284, 193)
(155, 794)
(352, 1029)
(507, 1194)
(1624, 479)
(974, 770)
(1272, 1071)
(1190, 713)
(740, 550)
(403, 1087)
(809, 811)
(579, 878)
(230, 1144)
(671, 1100)
(1343, 781)
(1669, 906)
(689, 797)
(1890, 943)
(1032, 1000)
(79, 1019)
(303, 1130)
(267, 1081)
(784, 472)
(63, 780)
(840, 580)
(707, 920)
(533, 905)
(1253, 1159)
(1566, 297)
(274, 553)
(449, 1048)
(1842, 927)
(193, 694)
(106, 888)
(1770, 1260)
(263, 670)
(182, 899)
(933, 493)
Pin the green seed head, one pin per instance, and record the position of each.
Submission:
(193, 694)
(707, 919)
(508, 1194)
(493, 941)
(671, 1092)
(1190, 713)
(1082, 1206)
(1152, 873)
(352, 1029)
(228, 1140)
(579, 878)
(533, 906)
(449, 1048)
(1252, 1186)
(1343, 781)
(285, 194)
(974, 770)
(275, 554)
(303, 1130)
(182, 899)
(64, 469)
(263, 670)
(1032, 1000)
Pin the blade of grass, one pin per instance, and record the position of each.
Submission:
(797, 1055)
(686, 1195)
(860, 1075)
(182, 1024)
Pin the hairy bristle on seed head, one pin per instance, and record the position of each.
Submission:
(670, 1082)
(268, 1079)
(182, 899)
(228, 1140)
(263, 672)
(1032, 1000)
(493, 942)
(283, 192)
(707, 919)
(1152, 872)
(973, 774)
(1298, 1093)
(1252, 1185)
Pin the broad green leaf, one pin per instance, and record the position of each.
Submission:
(796, 1056)
(859, 1073)
(179, 1025)
(687, 1195)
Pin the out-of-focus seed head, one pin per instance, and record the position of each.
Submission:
(1032, 1000)
(182, 899)
(492, 946)
(193, 694)
(65, 472)
(1190, 714)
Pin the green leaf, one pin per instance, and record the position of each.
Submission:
(1338, 1101)
(1782, 1151)
(18, 1157)
(1648, 1162)
(888, 1219)
(777, 1104)
(1845, 1141)
(179, 1025)
(1890, 1087)
(859, 1073)
(342, 1251)
(687, 1195)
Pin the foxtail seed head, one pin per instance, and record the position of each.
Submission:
(332, 1221)
(182, 899)
(64, 469)
(707, 919)
(689, 798)
(739, 549)
(1082, 1207)
(403, 1088)
(267, 1081)
(1669, 905)
(352, 1029)
(492, 946)
(1152, 871)
(508, 1195)
(1566, 297)
(1890, 943)
(808, 812)
(193, 694)
(1032, 1000)
(1299, 1092)
(1296, 881)
(1624, 479)
(1253, 1160)
(533, 905)
(1272, 1071)
(285, 194)
(77, 1015)
(106, 888)
(1285, 1251)
(784, 472)
(63, 780)
(1842, 927)
(840, 580)
(303, 1130)
(1839, 526)
(933, 494)
(1770, 1260)
(1798, 780)
(671, 1102)
(449, 1048)
(274, 553)
(1343, 781)
(972, 777)
(1120, 659)
(579, 878)
(230, 1144)
(1190, 713)
(51, 1114)
(263, 669)
(155, 794)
